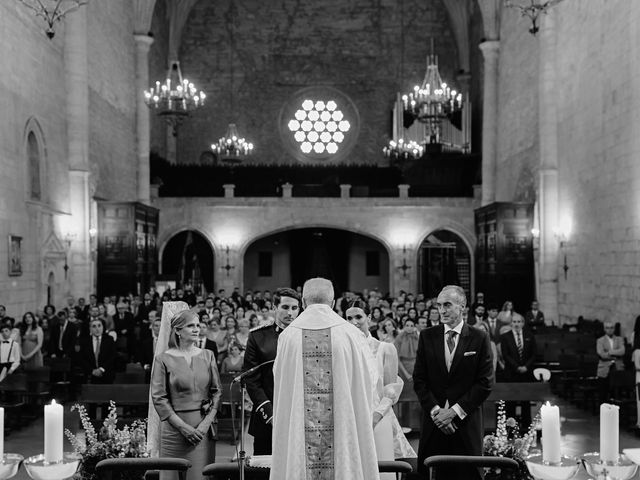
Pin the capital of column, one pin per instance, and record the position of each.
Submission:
(143, 42)
(490, 49)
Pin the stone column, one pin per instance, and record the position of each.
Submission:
(80, 281)
(548, 197)
(143, 43)
(490, 50)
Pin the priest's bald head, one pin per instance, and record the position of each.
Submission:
(317, 290)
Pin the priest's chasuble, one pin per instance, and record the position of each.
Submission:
(324, 379)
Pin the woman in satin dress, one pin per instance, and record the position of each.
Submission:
(186, 391)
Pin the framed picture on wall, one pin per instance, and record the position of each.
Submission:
(15, 255)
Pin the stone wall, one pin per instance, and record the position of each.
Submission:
(393, 222)
(33, 97)
(250, 57)
(597, 95)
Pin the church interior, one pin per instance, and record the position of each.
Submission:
(220, 148)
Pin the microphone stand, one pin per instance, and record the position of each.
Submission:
(241, 378)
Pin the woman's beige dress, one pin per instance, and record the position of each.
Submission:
(180, 388)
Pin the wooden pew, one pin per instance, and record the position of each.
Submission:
(126, 395)
(513, 392)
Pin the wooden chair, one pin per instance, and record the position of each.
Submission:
(60, 378)
(125, 395)
(231, 470)
(470, 460)
(106, 468)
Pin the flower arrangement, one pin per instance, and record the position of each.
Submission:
(507, 442)
(109, 442)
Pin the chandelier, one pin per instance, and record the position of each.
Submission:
(174, 99)
(402, 150)
(52, 11)
(531, 9)
(432, 101)
(232, 146)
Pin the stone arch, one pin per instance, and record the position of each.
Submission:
(165, 236)
(353, 259)
(35, 153)
(465, 238)
(243, 247)
(192, 260)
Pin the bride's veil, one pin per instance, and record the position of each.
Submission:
(169, 309)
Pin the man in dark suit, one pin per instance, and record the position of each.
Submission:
(98, 354)
(452, 378)
(63, 337)
(204, 343)
(261, 347)
(124, 325)
(534, 318)
(519, 354)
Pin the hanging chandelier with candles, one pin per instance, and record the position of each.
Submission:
(531, 9)
(52, 11)
(402, 150)
(175, 99)
(432, 101)
(232, 146)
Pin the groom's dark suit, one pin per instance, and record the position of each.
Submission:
(467, 383)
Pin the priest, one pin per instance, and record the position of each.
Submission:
(324, 375)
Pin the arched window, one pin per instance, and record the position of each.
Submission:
(34, 159)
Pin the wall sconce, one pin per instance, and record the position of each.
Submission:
(404, 267)
(68, 239)
(562, 235)
(227, 267)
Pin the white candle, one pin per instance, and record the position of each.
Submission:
(550, 415)
(1, 434)
(609, 432)
(53, 432)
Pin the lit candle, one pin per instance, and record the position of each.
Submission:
(550, 415)
(53, 432)
(609, 434)
(1, 434)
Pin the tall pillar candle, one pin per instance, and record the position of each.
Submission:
(609, 432)
(550, 416)
(1, 434)
(53, 432)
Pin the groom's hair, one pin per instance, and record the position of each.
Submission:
(317, 290)
(285, 292)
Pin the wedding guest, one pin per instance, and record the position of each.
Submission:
(242, 335)
(389, 439)
(9, 352)
(233, 362)
(32, 340)
(406, 344)
(62, 338)
(610, 350)
(98, 354)
(433, 319)
(389, 332)
(504, 317)
(186, 392)
(534, 318)
(203, 342)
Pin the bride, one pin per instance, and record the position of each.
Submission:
(185, 392)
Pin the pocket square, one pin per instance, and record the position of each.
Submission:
(468, 354)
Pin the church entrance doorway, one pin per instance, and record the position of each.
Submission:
(351, 261)
(444, 259)
(187, 259)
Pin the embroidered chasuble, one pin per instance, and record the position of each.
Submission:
(318, 403)
(324, 382)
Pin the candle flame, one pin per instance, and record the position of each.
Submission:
(547, 404)
(53, 401)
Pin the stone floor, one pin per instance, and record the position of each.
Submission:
(580, 434)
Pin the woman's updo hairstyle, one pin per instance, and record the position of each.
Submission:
(178, 321)
(359, 303)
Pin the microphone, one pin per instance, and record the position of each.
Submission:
(251, 370)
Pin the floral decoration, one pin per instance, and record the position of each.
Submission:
(508, 442)
(109, 442)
